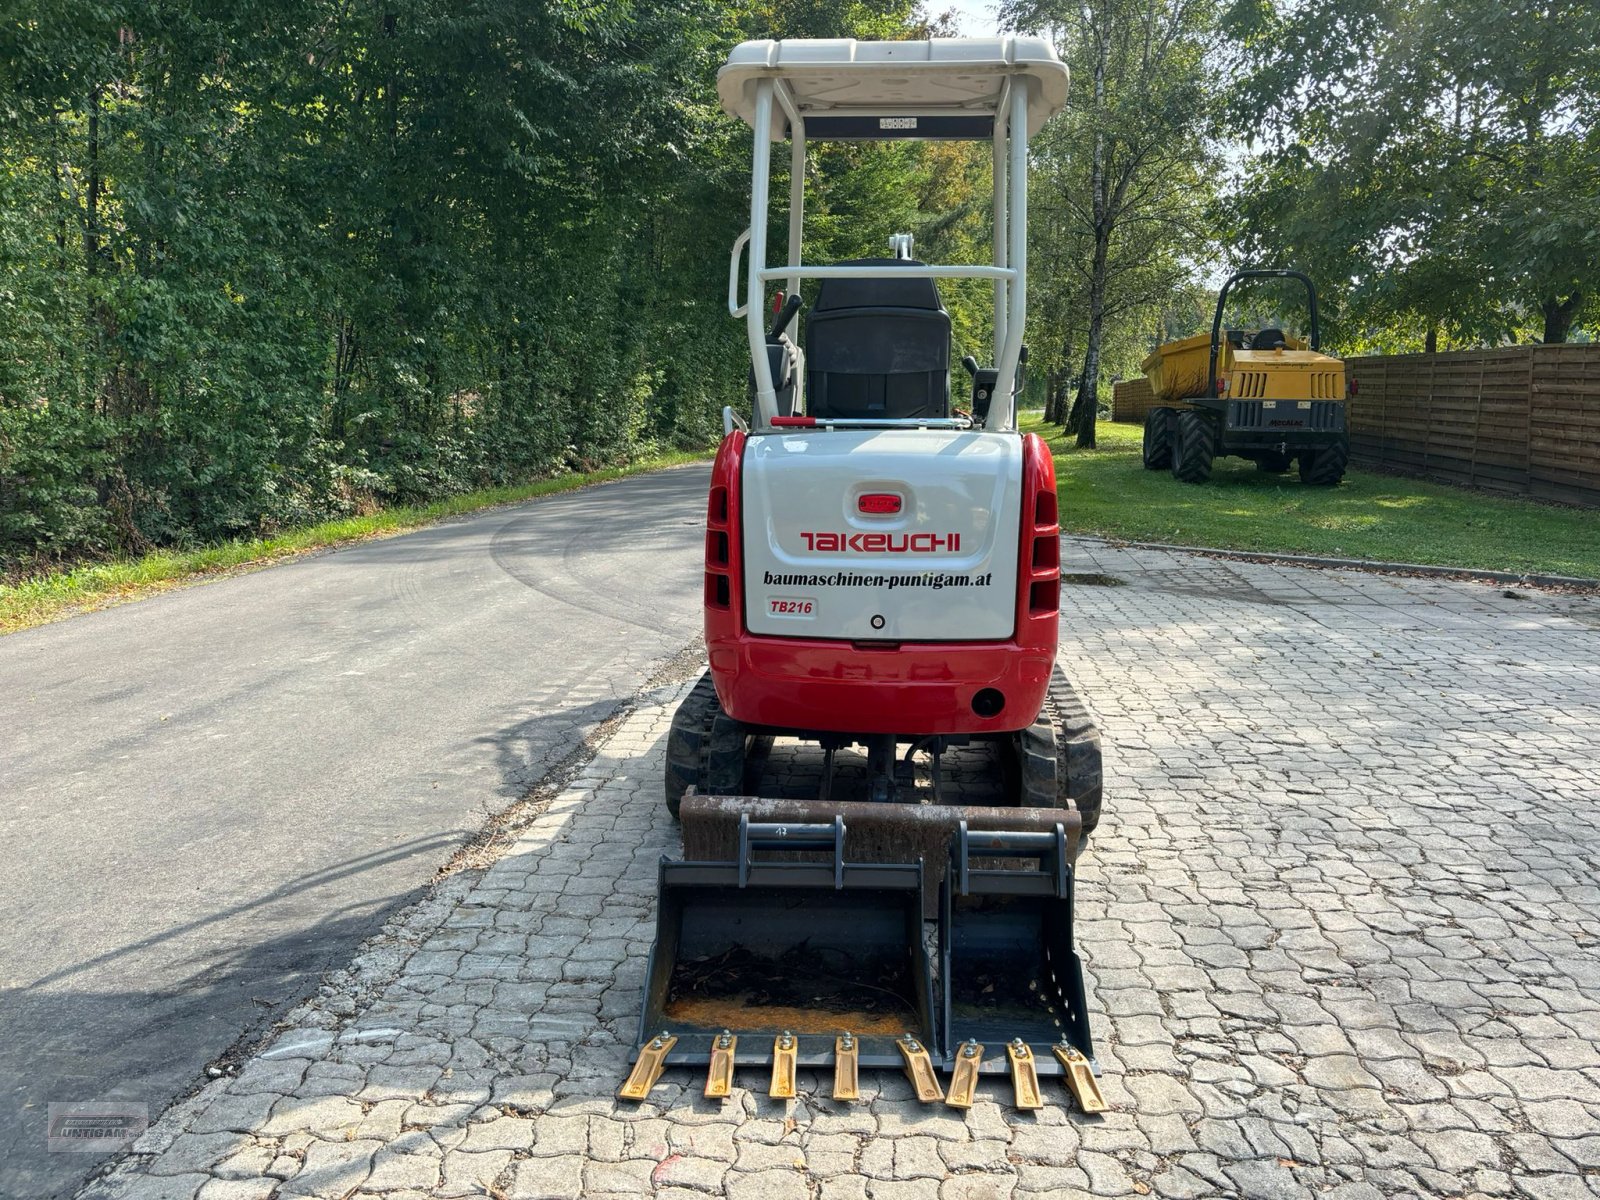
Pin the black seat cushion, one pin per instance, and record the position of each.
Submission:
(1268, 339)
(877, 293)
(878, 348)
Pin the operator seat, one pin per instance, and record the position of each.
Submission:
(878, 347)
(1268, 339)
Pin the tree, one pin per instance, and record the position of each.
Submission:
(1123, 177)
(267, 263)
(1438, 172)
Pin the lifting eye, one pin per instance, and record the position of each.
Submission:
(879, 504)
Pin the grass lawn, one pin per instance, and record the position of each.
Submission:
(1107, 492)
(96, 585)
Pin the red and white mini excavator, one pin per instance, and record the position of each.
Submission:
(882, 573)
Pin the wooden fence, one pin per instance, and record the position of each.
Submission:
(1131, 399)
(1523, 420)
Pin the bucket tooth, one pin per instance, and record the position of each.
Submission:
(1024, 1075)
(1080, 1080)
(648, 1066)
(784, 1050)
(719, 1078)
(919, 1069)
(846, 1068)
(964, 1076)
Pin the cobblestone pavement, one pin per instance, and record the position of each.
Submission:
(1341, 923)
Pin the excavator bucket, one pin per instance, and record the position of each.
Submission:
(793, 935)
(774, 962)
(1011, 981)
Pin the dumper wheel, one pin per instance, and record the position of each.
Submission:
(1194, 448)
(1056, 760)
(705, 747)
(1158, 439)
(1325, 467)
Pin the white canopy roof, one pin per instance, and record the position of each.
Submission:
(943, 77)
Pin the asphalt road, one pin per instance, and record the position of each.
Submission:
(209, 798)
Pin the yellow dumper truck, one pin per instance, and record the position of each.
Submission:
(1258, 394)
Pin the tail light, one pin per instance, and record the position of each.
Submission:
(879, 503)
(1352, 387)
(1040, 564)
(722, 525)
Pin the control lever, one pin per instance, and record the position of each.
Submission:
(971, 364)
(785, 315)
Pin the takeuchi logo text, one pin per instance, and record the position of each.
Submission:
(882, 543)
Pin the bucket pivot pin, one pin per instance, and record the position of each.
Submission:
(1024, 1075)
(1085, 1088)
(719, 1079)
(964, 1076)
(919, 1069)
(784, 1048)
(846, 1068)
(648, 1066)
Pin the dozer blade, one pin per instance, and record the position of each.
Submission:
(1008, 972)
(879, 833)
(796, 950)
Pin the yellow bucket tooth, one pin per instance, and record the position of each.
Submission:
(846, 1068)
(964, 1076)
(648, 1066)
(1024, 1075)
(1080, 1080)
(784, 1048)
(919, 1069)
(719, 1077)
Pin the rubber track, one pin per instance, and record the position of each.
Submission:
(705, 747)
(1059, 755)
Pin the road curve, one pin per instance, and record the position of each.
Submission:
(212, 796)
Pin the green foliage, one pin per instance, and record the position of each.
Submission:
(1436, 172)
(1121, 185)
(273, 263)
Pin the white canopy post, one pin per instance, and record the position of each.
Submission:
(1004, 405)
(755, 317)
(998, 209)
(797, 181)
(797, 201)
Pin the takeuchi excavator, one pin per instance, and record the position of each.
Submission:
(882, 583)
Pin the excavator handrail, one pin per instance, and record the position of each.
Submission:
(1222, 299)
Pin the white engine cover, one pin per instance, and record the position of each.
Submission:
(943, 568)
